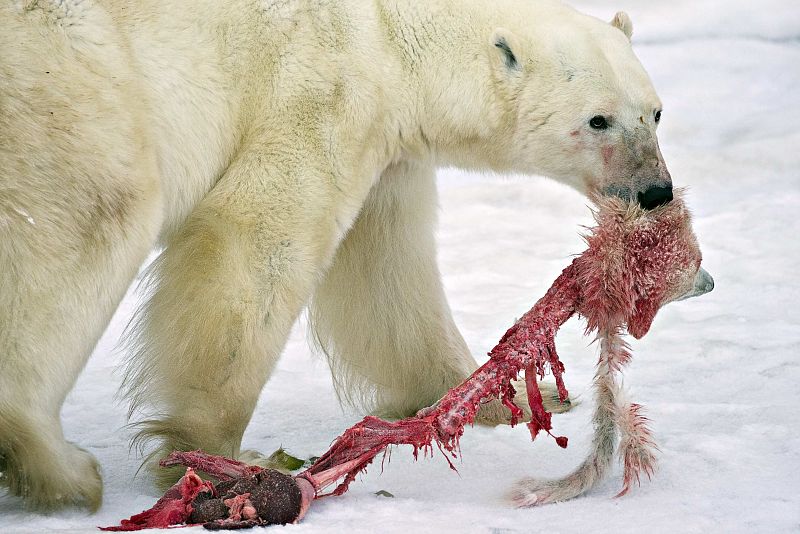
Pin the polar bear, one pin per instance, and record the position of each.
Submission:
(283, 154)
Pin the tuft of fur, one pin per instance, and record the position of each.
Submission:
(637, 451)
(605, 271)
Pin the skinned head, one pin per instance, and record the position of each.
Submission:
(638, 261)
(584, 110)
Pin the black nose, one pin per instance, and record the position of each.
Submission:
(655, 197)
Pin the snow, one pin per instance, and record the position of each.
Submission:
(718, 375)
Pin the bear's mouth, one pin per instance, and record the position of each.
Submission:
(649, 199)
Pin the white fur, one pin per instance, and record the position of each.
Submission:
(278, 151)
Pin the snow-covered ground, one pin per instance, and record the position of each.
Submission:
(719, 375)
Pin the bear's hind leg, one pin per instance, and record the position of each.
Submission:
(69, 248)
(80, 209)
(65, 264)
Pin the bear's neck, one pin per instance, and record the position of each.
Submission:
(443, 48)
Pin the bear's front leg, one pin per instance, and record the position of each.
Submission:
(380, 314)
(224, 295)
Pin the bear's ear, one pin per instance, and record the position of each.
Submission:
(623, 22)
(506, 50)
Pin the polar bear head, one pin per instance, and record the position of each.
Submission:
(570, 100)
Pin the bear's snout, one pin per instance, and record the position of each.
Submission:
(655, 196)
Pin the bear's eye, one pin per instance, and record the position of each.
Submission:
(658, 115)
(598, 122)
